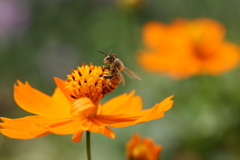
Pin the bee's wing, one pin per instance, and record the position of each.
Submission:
(122, 79)
(121, 76)
(130, 73)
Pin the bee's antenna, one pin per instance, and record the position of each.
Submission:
(110, 51)
(102, 53)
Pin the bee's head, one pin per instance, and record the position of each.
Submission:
(110, 58)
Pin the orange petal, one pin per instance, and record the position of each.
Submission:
(93, 125)
(157, 111)
(22, 128)
(77, 137)
(142, 148)
(61, 98)
(81, 105)
(198, 43)
(227, 57)
(149, 114)
(77, 125)
(153, 33)
(36, 102)
(206, 30)
(62, 86)
(123, 104)
(102, 130)
(66, 126)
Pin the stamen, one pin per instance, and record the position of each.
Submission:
(79, 73)
(79, 82)
(73, 77)
(73, 96)
(87, 81)
(96, 83)
(101, 74)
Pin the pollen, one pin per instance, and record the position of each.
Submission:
(86, 81)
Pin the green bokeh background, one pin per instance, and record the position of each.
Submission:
(204, 123)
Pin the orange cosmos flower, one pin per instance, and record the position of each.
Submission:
(142, 149)
(75, 107)
(186, 48)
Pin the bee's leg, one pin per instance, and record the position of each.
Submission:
(104, 67)
(109, 77)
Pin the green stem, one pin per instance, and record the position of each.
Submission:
(88, 145)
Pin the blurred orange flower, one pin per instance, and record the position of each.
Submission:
(186, 48)
(142, 149)
(75, 107)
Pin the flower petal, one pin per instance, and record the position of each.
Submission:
(153, 33)
(61, 98)
(62, 86)
(103, 130)
(98, 127)
(77, 137)
(77, 125)
(65, 126)
(226, 59)
(157, 111)
(83, 104)
(123, 104)
(142, 148)
(199, 43)
(36, 102)
(149, 114)
(22, 128)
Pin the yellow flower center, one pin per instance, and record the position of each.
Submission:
(203, 47)
(86, 81)
(140, 151)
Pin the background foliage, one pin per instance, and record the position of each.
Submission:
(45, 39)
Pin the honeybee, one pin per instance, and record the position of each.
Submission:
(114, 67)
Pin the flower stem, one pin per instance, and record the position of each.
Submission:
(88, 145)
